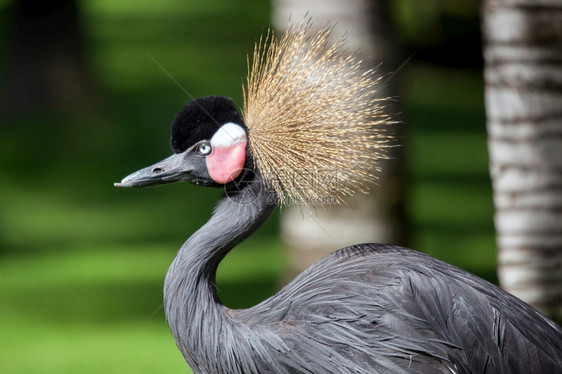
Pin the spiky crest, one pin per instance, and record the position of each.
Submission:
(316, 127)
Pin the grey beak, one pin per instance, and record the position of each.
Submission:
(172, 169)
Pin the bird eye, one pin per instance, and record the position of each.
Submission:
(204, 148)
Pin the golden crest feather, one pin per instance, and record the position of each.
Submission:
(316, 127)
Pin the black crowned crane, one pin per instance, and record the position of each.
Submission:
(368, 308)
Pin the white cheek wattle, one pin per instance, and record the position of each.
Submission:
(226, 160)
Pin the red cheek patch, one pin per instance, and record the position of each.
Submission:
(225, 163)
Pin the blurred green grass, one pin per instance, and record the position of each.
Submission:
(82, 264)
(450, 202)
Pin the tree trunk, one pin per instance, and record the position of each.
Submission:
(380, 217)
(45, 64)
(523, 75)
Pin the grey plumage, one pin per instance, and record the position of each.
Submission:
(368, 308)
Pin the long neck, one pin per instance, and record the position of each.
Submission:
(193, 310)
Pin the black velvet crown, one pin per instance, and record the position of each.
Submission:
(199, 119)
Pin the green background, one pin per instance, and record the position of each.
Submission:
(82, 263)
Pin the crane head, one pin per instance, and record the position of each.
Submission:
(209, 143)
(313, 125)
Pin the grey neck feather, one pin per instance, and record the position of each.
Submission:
(193, 310)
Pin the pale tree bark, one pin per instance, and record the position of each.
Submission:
(523, 75)
(378, 217)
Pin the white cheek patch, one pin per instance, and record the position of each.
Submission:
(227, 135)
(226, 160)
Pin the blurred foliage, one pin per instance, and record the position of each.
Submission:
(432, 21)
(82, 264)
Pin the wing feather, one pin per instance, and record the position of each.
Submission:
(385, 309)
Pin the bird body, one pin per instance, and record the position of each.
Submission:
(368, 308)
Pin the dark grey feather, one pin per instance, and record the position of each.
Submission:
(367, 308)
